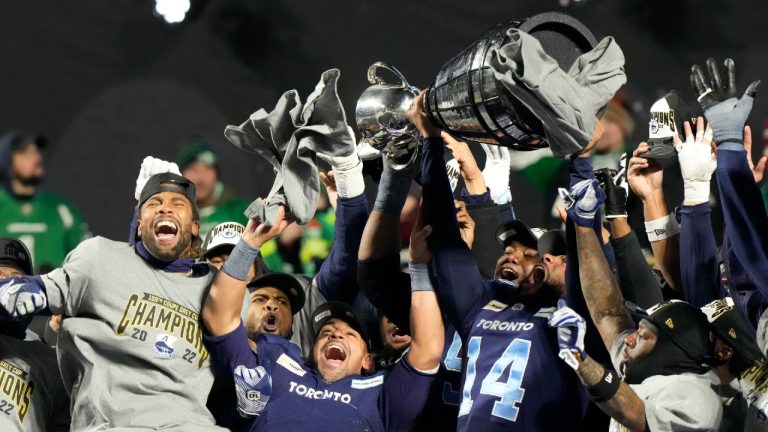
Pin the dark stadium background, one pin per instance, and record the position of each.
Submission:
(109, 83)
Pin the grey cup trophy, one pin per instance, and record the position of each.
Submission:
(465, 99)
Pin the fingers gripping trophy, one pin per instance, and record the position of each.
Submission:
(525, 85)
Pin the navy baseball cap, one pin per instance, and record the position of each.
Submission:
(13, 253)
(544, 241)
(168, 182)
(289, 285)
(341, 311)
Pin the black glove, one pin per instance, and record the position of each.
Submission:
(724, 112)
(616, 196)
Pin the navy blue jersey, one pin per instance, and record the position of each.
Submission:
(442, 407)
(299, 399)
(513, 378)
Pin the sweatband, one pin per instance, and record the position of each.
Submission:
(240, 261)
(606, 388)
(349, 179)
(420, 280)
(393, 190)
(661, 228)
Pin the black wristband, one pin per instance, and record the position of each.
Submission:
(606, 388)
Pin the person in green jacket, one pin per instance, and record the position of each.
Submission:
(48, 224)
(216, 203)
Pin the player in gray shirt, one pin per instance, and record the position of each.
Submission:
(131, 348)
(32, 396)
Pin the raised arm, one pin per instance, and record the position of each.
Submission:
(458, 278)
(637, 281)
(699, 267)
(746, 223)
(645, 180)
(221, 311)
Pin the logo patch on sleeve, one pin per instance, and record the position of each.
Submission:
(367, 383)
(495, 306)
(291, 365)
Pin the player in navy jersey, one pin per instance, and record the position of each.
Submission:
(330, 391)
(512, 378)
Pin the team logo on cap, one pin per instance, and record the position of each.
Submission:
(670, 323)
(732, 333)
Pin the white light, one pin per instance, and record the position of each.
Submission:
(172, 11)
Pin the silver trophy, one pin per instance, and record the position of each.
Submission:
(380, 115)
(466, 100)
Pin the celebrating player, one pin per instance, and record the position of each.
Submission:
(331, 390)
(131, 349)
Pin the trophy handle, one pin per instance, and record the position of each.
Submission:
(374, 78)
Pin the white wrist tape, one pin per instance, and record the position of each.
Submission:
(695, 191)
(661, 228)
(349, 180)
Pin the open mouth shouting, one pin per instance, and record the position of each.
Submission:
(271, 323)
(165, 231)
(335, 355)
(537, 275)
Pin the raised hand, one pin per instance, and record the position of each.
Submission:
(149, 167)
(725, 113)
(256, 233)
(697, 162)
(583, 201)
(644, 177)
(759, 169)
(496, 172)
(571, 329)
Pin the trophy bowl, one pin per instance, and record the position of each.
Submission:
(467, 101)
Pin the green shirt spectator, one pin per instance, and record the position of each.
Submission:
(47, 223)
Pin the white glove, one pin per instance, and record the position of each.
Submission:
(347, 170)
(149, 167)
(22, 298)
(496, 172)
(697, 163)
(253, 388)
(571, 329)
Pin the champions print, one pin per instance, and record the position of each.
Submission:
(16, 389)
(173, 319)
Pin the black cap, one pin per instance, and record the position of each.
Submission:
(686, 325)
(545, 242)
(168, 182)
(667, 116)
(728, 325)
(284, 282)
(14, 253)
(21, 141)
(338, 310)
(518, 231)
(552, 242)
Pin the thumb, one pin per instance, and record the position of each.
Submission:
(561, 303)
(752, 89)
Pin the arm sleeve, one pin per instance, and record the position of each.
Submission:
(387, 288)
(459, 284)
(636, 279)
(746, 223)
(749, 300)
(485, 248)
(404, 395)
(337, 277)
(66, 286)
(231, 350)
(699, 267)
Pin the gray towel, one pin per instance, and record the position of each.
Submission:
(289, 138)
(566, 103)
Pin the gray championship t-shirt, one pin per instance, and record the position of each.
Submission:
(32, 396)
(683, 402)
(131, 349)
